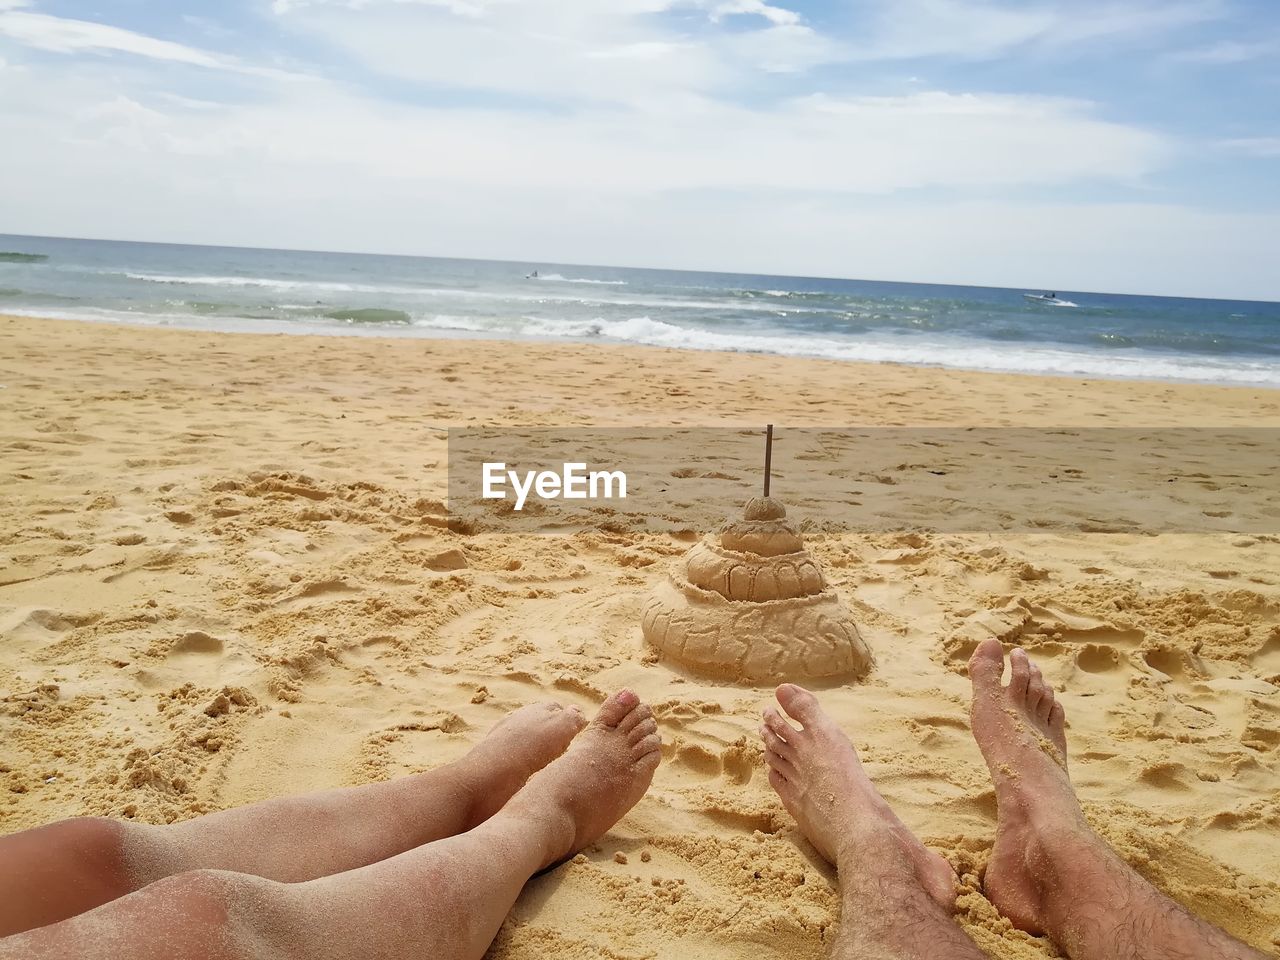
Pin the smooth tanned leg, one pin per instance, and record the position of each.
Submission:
(445, 900)
(897, 896)
(55, 872)
(1049, 872)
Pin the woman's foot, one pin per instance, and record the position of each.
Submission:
(604, 773)
(1021, 731)
(521, 744)
(818, 775)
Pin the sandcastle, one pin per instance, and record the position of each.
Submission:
(753, 605)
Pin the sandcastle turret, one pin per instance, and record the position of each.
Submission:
(751, 604)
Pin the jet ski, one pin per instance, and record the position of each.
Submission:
(1052, 299)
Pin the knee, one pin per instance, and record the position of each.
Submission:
(94, 838)
(125, 855)
(89, 846)
(206, 897)
(229, 916)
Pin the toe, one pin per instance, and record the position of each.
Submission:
(781, 729)
(644, 728)
(636, 717)
(781, 785)
(1020, 670)
(986, 666)
(567, 723)
(617, 708)
(800, 704)
(781, 764)
(775, 743)
(1046, 705)
(646, 745)
(648, 763)
(1057, 718)
(1035, 689)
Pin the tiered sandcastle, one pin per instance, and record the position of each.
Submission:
(754, 606)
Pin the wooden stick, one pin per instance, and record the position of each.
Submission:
(768, 456)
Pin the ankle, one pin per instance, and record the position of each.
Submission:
(874, 858)
(467, 785)
(549, 824)
(884, 916)
(859, 844)
(881, 841)
(1062, 857)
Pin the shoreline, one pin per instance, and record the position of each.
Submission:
(358, 332)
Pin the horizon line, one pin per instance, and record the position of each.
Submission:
(599, 266)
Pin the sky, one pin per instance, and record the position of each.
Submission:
(1113, 145)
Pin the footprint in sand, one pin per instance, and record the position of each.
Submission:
(1098, 658)
(196, 642)
(330, 588)
(734, 763)
(1262, 726)
(1168, 776)
(1172, 662)
(41, 624)
(1267, 657)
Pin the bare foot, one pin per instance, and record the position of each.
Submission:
(519, 745)
(818, 775)
(602, 775)
(1021, 731)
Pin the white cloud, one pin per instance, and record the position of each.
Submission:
(778, 16)
(869, 146)
(781, 49)
(617, 51)
(459, 7)
(68, 36)
(641, 50)
(576, 50)
(983, 29)
(1229, 51)
(62, 35)
(1255, 146)
(539, 49)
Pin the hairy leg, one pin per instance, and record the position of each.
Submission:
(897, 896)
(55, 872)
(1049, 872)
(446, 899)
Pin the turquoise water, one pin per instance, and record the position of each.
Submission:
(978, 328)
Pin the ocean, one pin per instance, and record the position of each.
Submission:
(974, 328)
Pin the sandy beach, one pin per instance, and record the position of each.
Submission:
(227, 573)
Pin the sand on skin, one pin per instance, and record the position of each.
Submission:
(226, 573)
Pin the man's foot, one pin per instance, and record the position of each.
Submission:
(818, 775)
(1021, 731)
(521, 744)
(602, 775)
